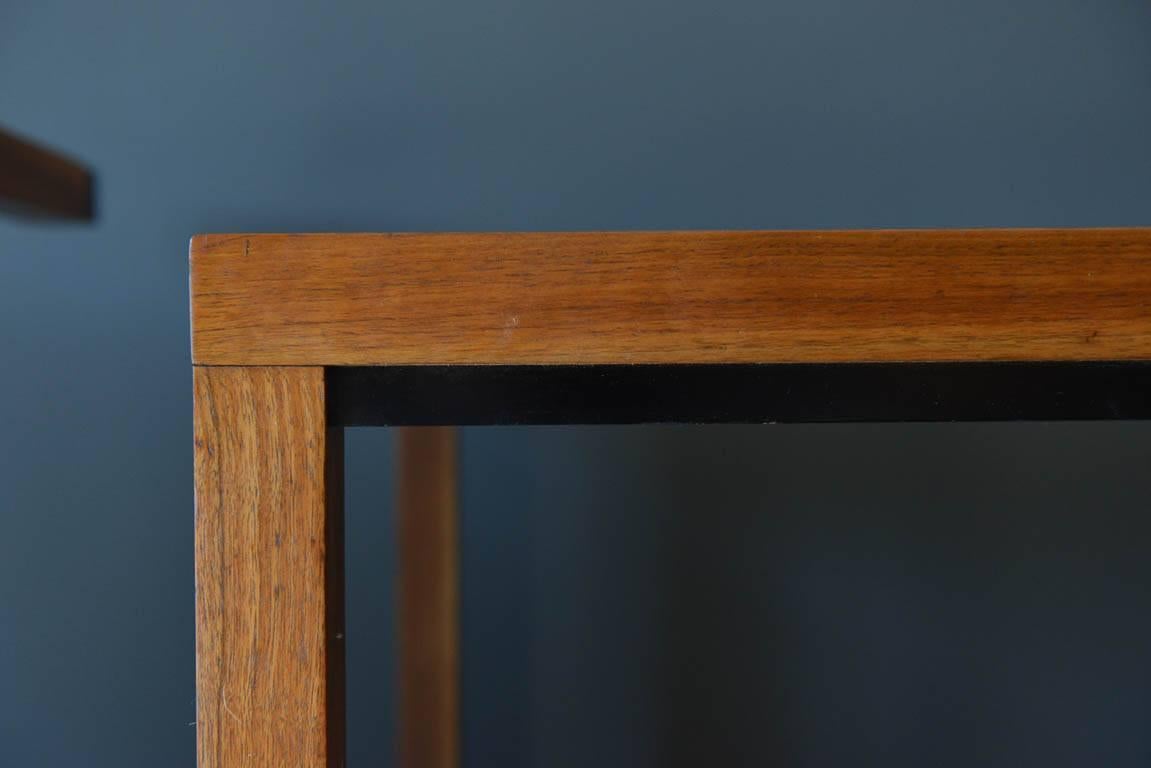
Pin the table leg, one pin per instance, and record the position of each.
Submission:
(428, 599)
(269, 570)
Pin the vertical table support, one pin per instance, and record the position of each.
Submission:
(269, 570)
(428, 535)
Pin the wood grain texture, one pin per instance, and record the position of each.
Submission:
(672, 297)
(39, 182)
(428, 598)
(269, 563)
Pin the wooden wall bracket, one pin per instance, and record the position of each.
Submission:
(41, 183)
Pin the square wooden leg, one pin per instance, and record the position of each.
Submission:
(428, 600)
(269, 570)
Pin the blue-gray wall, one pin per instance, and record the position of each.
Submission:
(897, 595)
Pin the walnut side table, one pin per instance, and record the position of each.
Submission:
(296, 336)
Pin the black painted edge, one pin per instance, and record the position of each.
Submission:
(730, 394)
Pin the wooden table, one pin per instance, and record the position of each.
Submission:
(296, 336)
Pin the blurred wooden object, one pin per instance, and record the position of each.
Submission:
(428, 597)
(38, 182)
